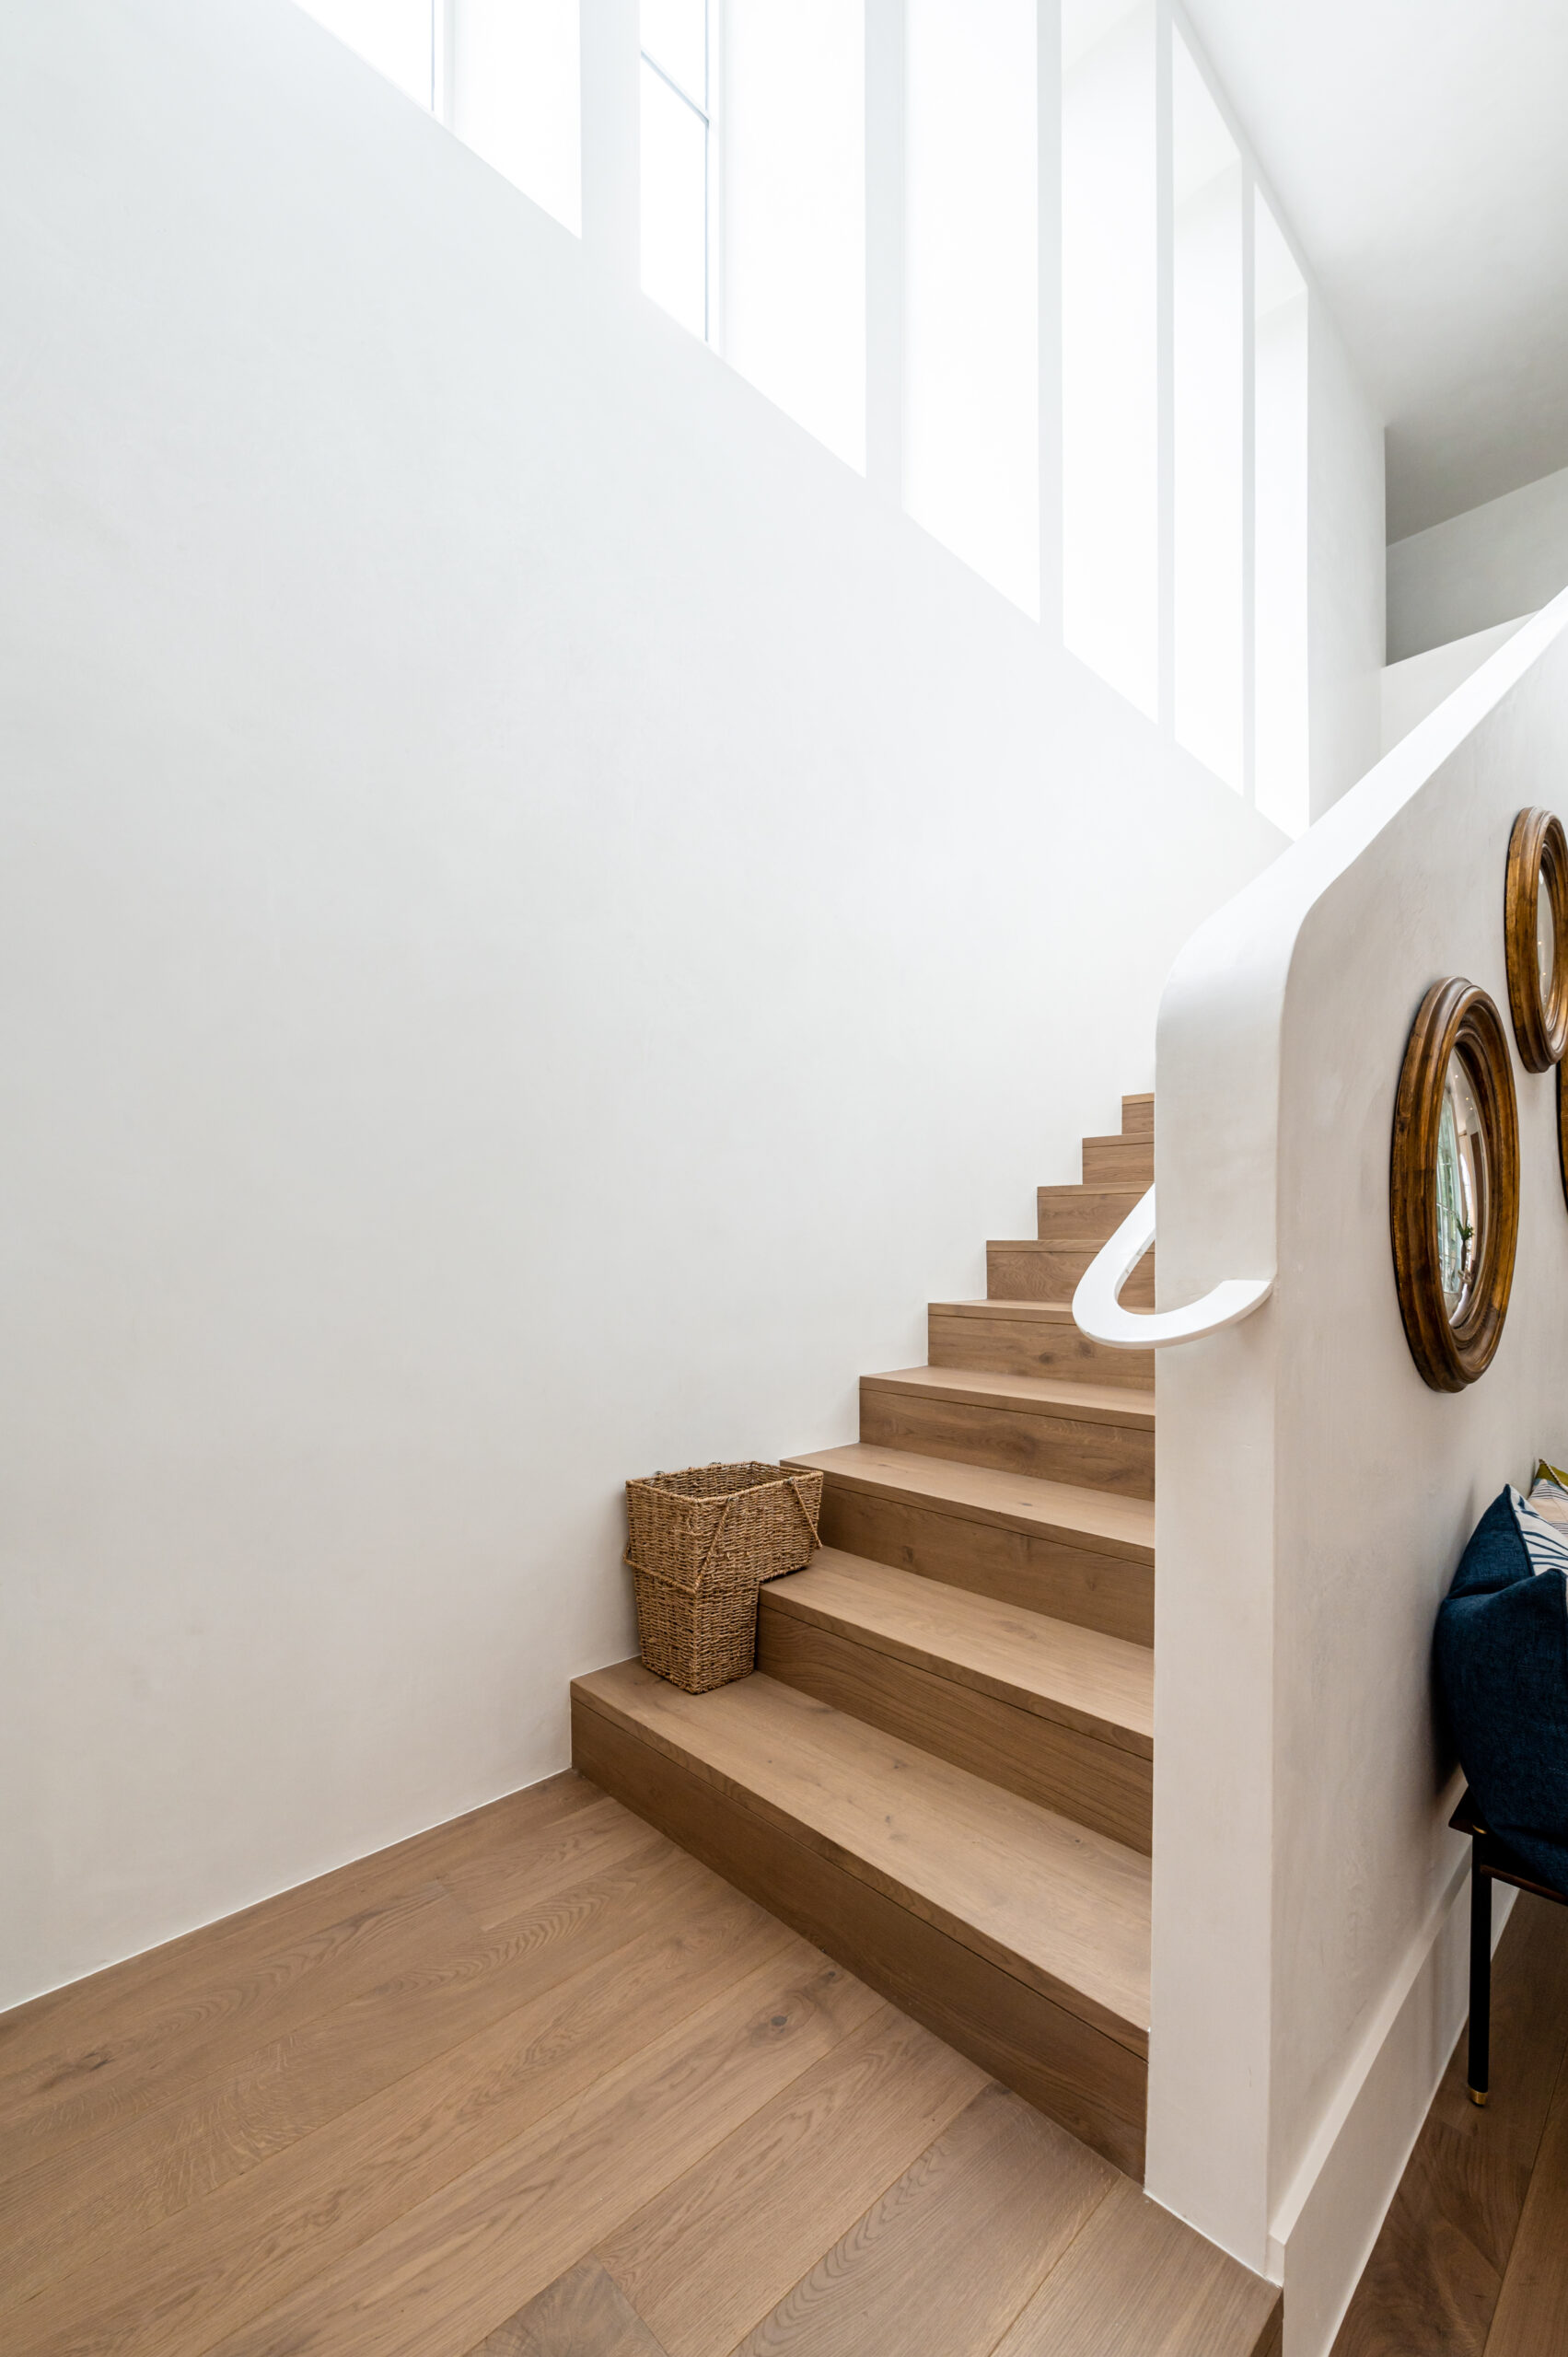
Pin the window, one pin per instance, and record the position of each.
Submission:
(972, 466)
(516, 97)
(677, 126)
(1110, 387)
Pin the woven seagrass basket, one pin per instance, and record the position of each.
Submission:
(700, 1544)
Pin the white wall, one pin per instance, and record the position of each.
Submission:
(1419, 684)
(1345, 595)
(1314, 1497)
(1488, 566)
(542, 922)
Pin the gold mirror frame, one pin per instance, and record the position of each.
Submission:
(1538, 858)
(1455, 1018)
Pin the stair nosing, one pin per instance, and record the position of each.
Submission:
(1126, 2029)
(1038, 1524)
(1048, 1396)
(1119, 1734)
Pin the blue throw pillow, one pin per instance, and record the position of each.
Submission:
(1502, 1660)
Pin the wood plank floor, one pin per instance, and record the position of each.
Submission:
(1472, 2260)
(539, 2082)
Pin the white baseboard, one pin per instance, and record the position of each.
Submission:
(1322, 2233)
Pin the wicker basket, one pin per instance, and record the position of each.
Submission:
(699, 1545)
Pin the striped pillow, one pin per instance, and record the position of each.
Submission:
(1546, 1541)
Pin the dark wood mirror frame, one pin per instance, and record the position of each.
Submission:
(1455, 1017)
(1538, 861)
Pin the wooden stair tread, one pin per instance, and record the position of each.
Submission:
(1060, 1907)
(1081, 1678)
(1098, 1519)
(1046, 1313)
(1097, 1403)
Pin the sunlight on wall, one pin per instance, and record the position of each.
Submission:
(793, 242)
(972, 287)
(1209, 389)
(1284, 785)
(395, 36)
(516, 97)
(1109, 347)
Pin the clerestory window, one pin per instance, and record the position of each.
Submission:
(676, 138)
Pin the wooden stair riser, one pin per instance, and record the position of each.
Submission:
(1025, 1271)
(1138, 1117)
(1082, 1215)
(1118, 1162)
(1058, 1767)
(1000, 1344)
(1055, 1445)
(1092, 1588)
(1095, 2086)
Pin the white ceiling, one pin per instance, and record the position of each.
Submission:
(1419, 149)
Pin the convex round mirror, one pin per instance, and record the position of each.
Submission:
(1535, 929)
(1454, 1184)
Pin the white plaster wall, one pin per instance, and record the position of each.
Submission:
(1419, 684)
(541, 922)
(1491, 563)
(1314, 1497)
(1345, 595)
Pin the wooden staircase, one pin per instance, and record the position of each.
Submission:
(943, 1771)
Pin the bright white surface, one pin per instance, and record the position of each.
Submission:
(1478, 569)
(1110, 393)
(1417, 147)
(517, 95)
(972, 393)
(1345, 611)
(1418, 685)
(1282, 732)
(1097, 1313)
(674, 210)
(794, 210)
(395, 36)
(544, 923)
(1314, 1495)
(1209, 373)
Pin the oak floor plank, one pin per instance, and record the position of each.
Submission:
(449, 2272)
(110, 2194)
(1136, 2279)
(53, 2106)
(1531, 2317)
(582, 2314)
(270, 2234)
(946, 2258)
(1433, 2279)
(99, 2007)
(717, 2249)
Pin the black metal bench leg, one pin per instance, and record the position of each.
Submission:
(1479, 2071)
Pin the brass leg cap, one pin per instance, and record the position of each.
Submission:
(1474, 2097)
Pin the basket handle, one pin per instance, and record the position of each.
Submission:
(805, 1515)
(805, 1509)
(718, 1534)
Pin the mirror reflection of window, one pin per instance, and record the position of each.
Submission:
(1546, 943)
(1461, 1189)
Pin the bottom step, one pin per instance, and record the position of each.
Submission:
(1018, 1937)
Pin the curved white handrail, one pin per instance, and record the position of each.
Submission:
(1097, 1313)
